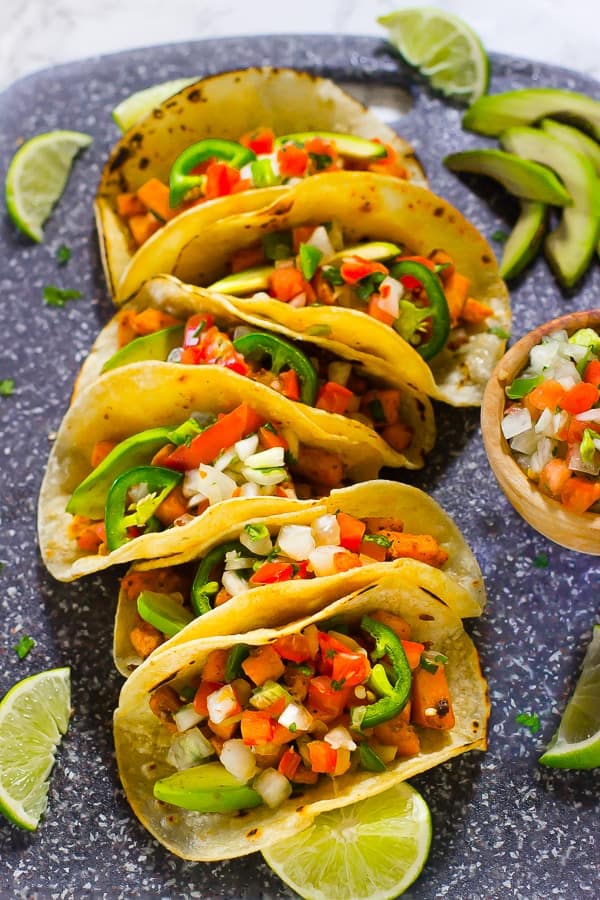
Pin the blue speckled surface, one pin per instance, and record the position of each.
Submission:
(504, 827)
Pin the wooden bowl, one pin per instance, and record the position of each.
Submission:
(576, 531)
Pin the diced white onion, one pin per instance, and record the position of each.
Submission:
(209, 483)
(264, 476)
(590, 415)
(326, 530)
(296, 715)
(246, 447)
(189, 749)
(322, 560)
(225, 459)
(340, 738)
(186, 717)
(249, 490)
(137, 492)
(238, 759)
(296, 541)
(266, 459)
(261, 546)
(234, 584)
(241, 330)
(235, 561)
(545, 423)
(298, 301)
(339, 371)
(222, 704)
(542, 455)
(516, 421)
(175, 355)
(273, 787)
(320, 239)
(526, 442)
(542, 356)
(577, 464)
(390, 292)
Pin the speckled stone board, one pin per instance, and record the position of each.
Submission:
(503, 826)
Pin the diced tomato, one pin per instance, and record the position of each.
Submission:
(290, 384)
(321, 147)
(294, 647)
(350, 668)
(287, 282)
(269, 437)
(195, 327)
(263, 664)
(272, 573)
(572, 433)
(413, 652)
(292, 161)
(300, 235)
(546, 395)
(378, 309)
(256, 727)
(579, 398)
(591, 374)
(217, 349)
(260, 140)
(409, 281)
(324, 701)
(289, 762)
(354, 268)
(207, 445)
(578, 494)
(351, 531)
(554, 476)
(205, 688)
(323, 757)
(220, 180)
(334, 398)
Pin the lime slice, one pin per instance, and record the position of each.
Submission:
(37, 176)
(443, 48)
(576, 742)
(34, 714)
(136, 106)
(372, 849)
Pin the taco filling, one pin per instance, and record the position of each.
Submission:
(169, 598)
(214, 168)
(425, 299)
(164, 477)
(312, 704)
(301, 372)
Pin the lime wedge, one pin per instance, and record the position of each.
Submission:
(34, 714)
(136, 106)
(442, 47)
(576, 742)
(37, 176)
(372, 849)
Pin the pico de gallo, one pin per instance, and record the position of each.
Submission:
(164, 477)
(425, 299)
(552, 419)
(167, 599)
(216, 167)
(301, 372)
(324, 701)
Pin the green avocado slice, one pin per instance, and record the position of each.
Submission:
(575, 139)
(245, 282)
(570, 246)
(493, 113)
(525, 238)
(157, 345)
(519, 176)
(374, 251)
(348, 145)
(207, 788)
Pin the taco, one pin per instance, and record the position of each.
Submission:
(173, 322)
(223, 139)
(226, 745)
(285, 566)
(378, 264)
(149, 458)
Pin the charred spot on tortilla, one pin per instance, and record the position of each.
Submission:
(195, 95)
(438, 212)
(158, 113)
(144, 162)
(366, 207)
(425, 617)
(253, 832)
(485, 259)
(120, 157)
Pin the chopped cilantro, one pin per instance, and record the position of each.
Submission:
(55, 296)
(332, 276)
(379, 539)
(7, 386)
(529, 720)
(24, 645)
(368, 285)
(63, 255)
(499, 332)
(329, 654)
(377, 411)
(338, 685)
(541, 561)
(321, 160)
(187, 692)
(500, 236)
(292, 727)
(256, 532)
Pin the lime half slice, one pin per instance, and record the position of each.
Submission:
(34, 715)
(370, 850)
(443, 48)
(37, 176)
(136, 106)
(576, 742)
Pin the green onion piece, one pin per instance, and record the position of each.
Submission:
(523, 386)
(256, 532)
(428, 665)
(310, 257)
(263, 174)
(587, 448)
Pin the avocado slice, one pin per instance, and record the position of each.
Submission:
(374, 251)
(570, 246)
(348, 145)
(163, 611)
(157, 345)
(519, 176)
(207, 788)
(492, 114)
(575, 139)
(525, 238)
(245, 282)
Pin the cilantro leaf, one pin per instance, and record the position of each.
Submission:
(500, 236)
(24, 645)
(63, 255)
(7, 386)
(499, 332)
(529, 720)
(541, 561)
(55, 296)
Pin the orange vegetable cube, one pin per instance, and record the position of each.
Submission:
(263, 664)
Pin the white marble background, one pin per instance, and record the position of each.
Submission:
(35, 34)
